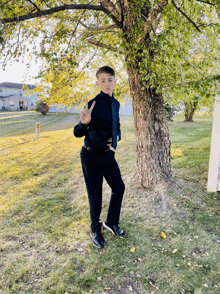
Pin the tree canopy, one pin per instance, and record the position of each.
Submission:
(184, 36)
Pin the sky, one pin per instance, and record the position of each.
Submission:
(17, 72)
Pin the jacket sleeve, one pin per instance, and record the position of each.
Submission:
(80, 130)
(118, 126)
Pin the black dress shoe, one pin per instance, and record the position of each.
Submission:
(115, 230)
(98, 240)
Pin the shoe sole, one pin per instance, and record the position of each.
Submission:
(108, 228)
(101, 247)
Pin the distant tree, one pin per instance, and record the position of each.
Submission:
(64, 85)
(190, 108)
(42, 107)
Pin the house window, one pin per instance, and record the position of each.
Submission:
(12, 103)
(20, 93)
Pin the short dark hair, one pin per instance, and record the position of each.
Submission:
(105, 69)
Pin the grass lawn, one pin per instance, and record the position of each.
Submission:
(45, 247)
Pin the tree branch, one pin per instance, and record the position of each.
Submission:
(109, 5)
(183, 13)
(153, 15)
(209, 24)
(206, 2)
(4, 3)
(61, 8)
(75, 29)
(122, 11)
(99, 44)
(34, 5)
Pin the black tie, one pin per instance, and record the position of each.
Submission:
(114, 124)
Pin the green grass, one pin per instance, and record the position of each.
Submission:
(191, 148)
(45, 245)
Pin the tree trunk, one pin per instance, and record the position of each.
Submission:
(151, 130)
(152, 134)
(190, 109)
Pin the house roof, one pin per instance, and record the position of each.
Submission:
(14, 96)
(4, 97)
(17, 86)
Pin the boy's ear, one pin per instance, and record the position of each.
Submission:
(97, 83)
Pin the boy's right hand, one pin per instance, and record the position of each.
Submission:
(85, 114)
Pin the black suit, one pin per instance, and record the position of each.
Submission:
(99, 160)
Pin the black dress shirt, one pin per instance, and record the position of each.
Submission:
(99, 130)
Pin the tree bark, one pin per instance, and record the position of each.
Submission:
(190, 109)
(152, 134)
(151, 130)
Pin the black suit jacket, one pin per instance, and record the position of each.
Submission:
(99, 130)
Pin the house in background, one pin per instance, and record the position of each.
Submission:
(13, 97)
(13, 102)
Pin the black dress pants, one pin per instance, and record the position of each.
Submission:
(95, 166)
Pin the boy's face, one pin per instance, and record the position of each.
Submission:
(106, 82)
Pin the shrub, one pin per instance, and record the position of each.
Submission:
(42, 107)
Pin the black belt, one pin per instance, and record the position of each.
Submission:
(96, 149)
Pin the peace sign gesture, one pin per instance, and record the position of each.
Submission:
(85, 114)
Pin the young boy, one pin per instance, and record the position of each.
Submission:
(99, 123)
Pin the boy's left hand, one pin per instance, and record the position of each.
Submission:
(110, 141)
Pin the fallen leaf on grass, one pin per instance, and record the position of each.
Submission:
(133, 249)
(107, 288)
(162, 235)
(80, 249)
(198, 265)
(153, 285)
